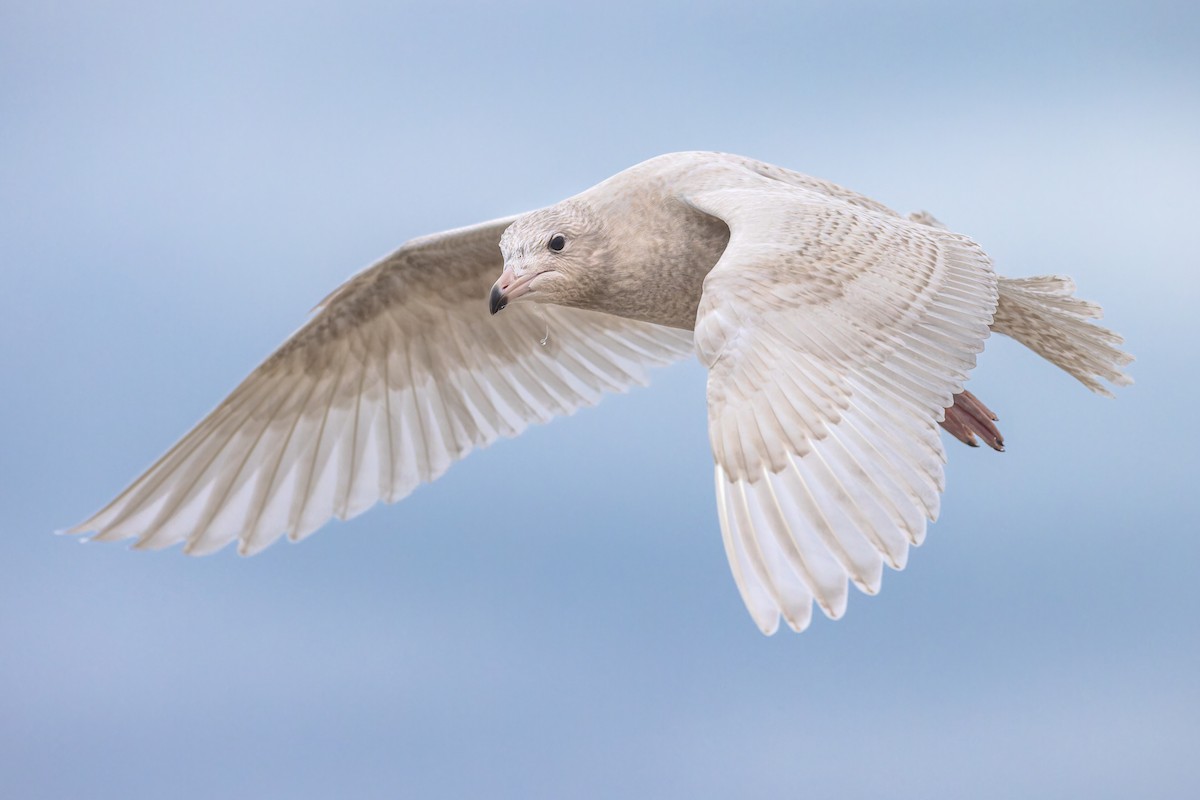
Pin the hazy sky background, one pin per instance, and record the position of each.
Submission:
(555, 617)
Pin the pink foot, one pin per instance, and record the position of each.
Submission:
(968, 417)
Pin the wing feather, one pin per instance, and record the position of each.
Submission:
(836, 336)
(401, 372)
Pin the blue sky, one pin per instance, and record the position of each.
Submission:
(178, 186)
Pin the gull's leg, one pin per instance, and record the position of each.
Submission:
(968, 417)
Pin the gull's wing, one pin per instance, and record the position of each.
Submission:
(401, 372)
(835, 337)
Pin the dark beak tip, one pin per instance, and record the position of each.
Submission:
(497, 302)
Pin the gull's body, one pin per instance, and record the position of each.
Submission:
(837, 335)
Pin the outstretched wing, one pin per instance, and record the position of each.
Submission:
(400, 373)
(835, 337)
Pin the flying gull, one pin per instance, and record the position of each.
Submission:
(837, 335)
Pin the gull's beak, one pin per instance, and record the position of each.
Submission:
(498, 300)
(507, 289)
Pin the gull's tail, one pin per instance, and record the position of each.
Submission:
(1042, 314)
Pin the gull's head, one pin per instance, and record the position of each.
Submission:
(551, 256)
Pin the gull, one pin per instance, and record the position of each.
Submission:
(838, 335)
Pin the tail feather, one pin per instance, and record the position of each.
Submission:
(1042, 314)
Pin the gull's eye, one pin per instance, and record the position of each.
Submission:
(557, 242)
